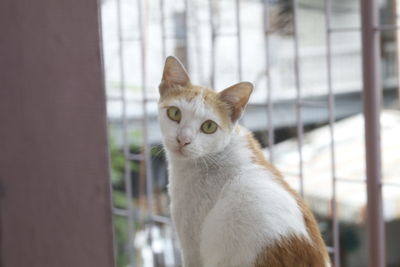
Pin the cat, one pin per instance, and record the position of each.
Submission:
(229, 205)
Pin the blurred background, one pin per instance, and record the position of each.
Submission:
(305, 59)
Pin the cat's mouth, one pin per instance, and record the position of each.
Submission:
(182, 152)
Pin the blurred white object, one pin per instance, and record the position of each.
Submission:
(350, 167)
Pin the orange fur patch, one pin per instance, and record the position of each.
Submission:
(291, 251)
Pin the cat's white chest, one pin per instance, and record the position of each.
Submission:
(194, 193)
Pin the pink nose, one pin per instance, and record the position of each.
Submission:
(182, 141)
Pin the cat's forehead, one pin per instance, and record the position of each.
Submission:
(189, 93)
(200, 100)
(196, 108)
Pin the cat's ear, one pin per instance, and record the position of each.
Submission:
(237, 97)
(174, 74)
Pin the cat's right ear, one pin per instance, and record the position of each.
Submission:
(174, 75)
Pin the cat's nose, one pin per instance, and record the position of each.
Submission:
(183, 141)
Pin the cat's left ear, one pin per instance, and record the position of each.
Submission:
(174, 74)
(237, 97)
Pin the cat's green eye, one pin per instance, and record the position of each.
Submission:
(209, 127)
(174, 114)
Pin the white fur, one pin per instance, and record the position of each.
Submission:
(226, 209)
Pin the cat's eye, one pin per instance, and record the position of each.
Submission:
(174, 114)
(209, 127)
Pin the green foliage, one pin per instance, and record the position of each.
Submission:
(118, 194)
(121, 235)
(118, 164)
(120, 200)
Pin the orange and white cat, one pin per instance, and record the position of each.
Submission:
(230, 206)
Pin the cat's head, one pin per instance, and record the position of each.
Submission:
(196, 121)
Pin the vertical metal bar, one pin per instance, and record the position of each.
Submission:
(164, 55)
(163, 32)
(299, 116)
(186, 21)
(125, 139)
(331, 114)
(271, 134)
(146, 150)
(239, 40)
(239, 46)
(372, 100)
(198, 46)
(213, 39)
(397, 40)
(164, 52)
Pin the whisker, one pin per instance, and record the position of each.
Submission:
(212, 160)
(205, 163)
